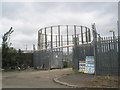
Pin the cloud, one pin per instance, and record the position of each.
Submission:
(27, 18)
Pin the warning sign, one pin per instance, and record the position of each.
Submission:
(81, 66)
(89, 66)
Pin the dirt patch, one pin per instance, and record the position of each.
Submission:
(103, 82)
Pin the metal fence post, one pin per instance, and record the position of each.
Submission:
(95, 46)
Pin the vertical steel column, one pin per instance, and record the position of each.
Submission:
(89, 36)
(76, 51)
(59, 36)
(51, 39)
(94, 32)
(62, 47)
(41, 43)
(56, 42)
(75, 35)
(61, 43)
(51, 48)
(110, 56)
(72, 39)
(45, 39)
(77, 39)
(86, 35)
(82, 34)
(67, 42)
(38, 47)
(95, 47)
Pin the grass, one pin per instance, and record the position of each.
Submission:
(75, 72)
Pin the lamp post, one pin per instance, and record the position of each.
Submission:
(113, 33)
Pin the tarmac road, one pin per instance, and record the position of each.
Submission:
(33, 79)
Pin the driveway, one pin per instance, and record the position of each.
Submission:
(33, 79)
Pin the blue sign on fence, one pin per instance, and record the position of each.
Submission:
(89, 66)
(81, 66)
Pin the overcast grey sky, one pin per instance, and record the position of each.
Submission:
(27, 18)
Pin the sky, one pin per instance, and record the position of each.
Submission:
(27, 18)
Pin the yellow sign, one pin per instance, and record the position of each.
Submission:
(111, 31)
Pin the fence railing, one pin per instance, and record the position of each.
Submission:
(106, 55)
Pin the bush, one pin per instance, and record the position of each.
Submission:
(11, 58)
(65, 64)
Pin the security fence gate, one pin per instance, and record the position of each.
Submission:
(80, 53)
(105, 52)
(106, 55)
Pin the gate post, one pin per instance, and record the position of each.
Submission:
(95, 45)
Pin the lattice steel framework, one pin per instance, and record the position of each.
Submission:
(63, 36)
